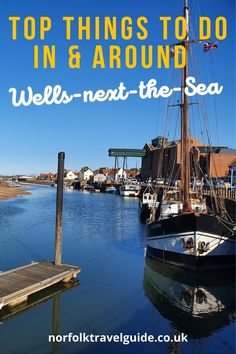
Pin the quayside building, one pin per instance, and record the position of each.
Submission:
(162, 159)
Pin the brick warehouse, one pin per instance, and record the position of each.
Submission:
(163, 157)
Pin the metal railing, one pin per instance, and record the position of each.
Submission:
(226, 193)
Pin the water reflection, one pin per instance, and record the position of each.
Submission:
(55, 321)
(53, 292)
(102, 234)
(197, 304)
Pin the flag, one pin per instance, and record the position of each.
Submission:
(172, 52)
(209, 46)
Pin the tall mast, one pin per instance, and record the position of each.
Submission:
(185, 141)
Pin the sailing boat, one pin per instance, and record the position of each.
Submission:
(186, 233)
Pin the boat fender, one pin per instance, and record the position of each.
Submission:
(187, 244)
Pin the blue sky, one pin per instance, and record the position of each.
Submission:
(32, 136)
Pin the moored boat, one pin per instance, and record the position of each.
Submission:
(129, 190)
(89, 188)
(148, 204)
(14, 184)
(193, 241)
(186, 232)
(110, 190)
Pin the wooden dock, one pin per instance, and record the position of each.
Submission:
(19, 283)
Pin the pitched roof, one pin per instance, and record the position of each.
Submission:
(227, 151)
(168, 144)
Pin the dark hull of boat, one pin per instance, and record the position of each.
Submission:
(145, 212)
(188, 223)
(192, 262)
(192, 241)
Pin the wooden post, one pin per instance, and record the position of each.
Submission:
(115, 168)
(60, 179)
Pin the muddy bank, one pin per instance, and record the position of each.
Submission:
(7, 192)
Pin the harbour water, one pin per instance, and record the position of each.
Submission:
(119, 292)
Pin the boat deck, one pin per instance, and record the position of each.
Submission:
(17, 284)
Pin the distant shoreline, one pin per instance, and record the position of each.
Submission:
(35, 183)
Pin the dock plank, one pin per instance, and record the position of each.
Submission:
(17, 284)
